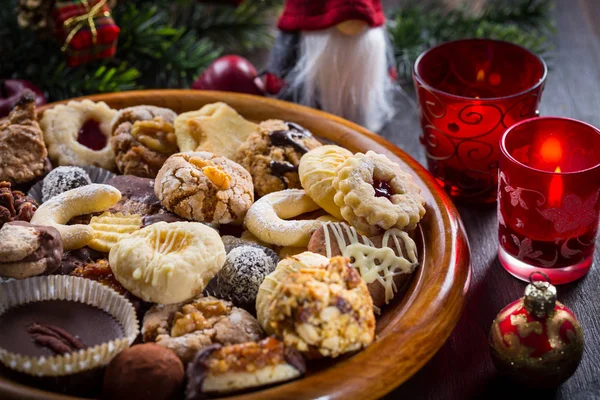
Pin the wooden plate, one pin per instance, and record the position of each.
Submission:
(410, 329)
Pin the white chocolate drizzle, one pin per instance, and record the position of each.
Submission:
(373, 263)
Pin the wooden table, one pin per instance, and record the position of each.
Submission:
(462, 369)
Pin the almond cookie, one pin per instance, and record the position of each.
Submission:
(323, 312)
(204, 187)
(374, 193)
(220, 370)
(23, 154)
(272, 281)
(67, 126)
(272, 155)
(385, 262)
(216, 127)
(194, 325)
(317, 170)
(168, 263)
(143, 137)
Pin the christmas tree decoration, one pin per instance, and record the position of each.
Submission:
(536, 340)
(334, 55)
(11, 91)
(86, 29)
(230, 73)
(34, 14)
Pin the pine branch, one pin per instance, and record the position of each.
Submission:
(416, 27)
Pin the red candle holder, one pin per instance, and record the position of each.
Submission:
(470, 91)
(549, 198)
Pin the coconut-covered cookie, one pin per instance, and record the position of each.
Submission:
(204, 187)
(385, 262)
(244, 270)
(323, 312)
(143, 137)
(61, 179)
(374, 193)
(189, 327)
(272, 155)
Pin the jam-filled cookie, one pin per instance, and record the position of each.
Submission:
(374, 193)
(78, 133)
(272, 155)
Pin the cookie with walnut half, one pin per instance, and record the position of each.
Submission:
(189, 327)
(221, 370)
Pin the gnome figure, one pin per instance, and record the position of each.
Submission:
(334, 55)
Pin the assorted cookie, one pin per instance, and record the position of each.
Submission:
(78, 133)
(23, 153)
(232, 294)
(272, 155)
(143, 137)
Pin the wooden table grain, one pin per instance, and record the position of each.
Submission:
(462, 369)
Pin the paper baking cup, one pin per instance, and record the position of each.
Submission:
(63, 287)
(96, 174)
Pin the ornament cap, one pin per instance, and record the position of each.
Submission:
(540, 296)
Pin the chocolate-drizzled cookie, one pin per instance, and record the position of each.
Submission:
(273, 153)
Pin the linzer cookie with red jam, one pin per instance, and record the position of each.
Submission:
(385, 262)
(78, 133)
(272, 155)
(375, 194)
(219, 370)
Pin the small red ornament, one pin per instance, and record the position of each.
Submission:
(230, 73)
(11, 91)
(536, 340)
(86, 30)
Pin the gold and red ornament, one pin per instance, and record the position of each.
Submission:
(536, 340)
(35, 14)
(86, 30)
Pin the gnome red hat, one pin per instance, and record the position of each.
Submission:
(314, 15)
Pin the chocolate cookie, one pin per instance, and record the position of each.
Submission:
(272, 155)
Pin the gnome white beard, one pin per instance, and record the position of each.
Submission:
(345, 75)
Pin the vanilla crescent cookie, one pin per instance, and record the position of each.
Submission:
(60, 209)
(284, 268)
(61, 125)
(204, 187)
(317, 171)
(168, 263)
(374, 193)
(269, 218)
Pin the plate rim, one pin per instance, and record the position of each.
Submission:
(340, 380)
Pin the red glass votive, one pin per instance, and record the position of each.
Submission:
(470, 91)
(549, 198)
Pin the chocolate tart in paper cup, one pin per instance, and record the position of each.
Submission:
(56, 326)
(96, 174)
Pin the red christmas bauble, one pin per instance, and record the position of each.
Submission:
(230, 73)
(11, 91)
(536, 340)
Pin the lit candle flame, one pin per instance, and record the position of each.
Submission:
(556, 190)
(480, 75)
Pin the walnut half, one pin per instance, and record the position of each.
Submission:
(156, 134)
